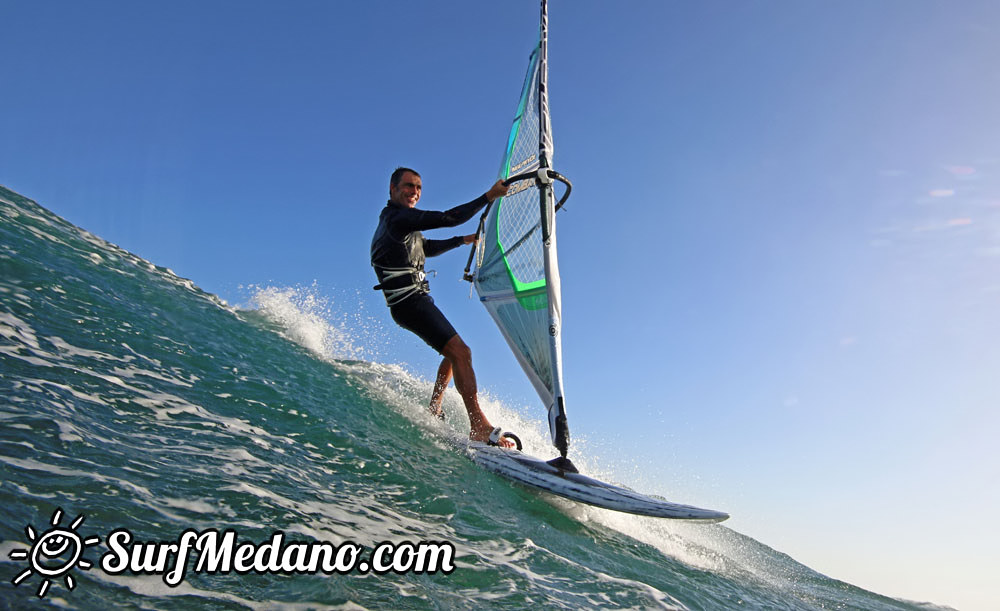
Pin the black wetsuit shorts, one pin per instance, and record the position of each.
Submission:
(419, 315)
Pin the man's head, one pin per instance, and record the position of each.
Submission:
(404, 187)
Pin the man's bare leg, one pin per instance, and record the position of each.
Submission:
(460, 357)
(440, 385)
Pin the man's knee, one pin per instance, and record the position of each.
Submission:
(457, 350)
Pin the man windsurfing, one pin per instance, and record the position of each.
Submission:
(398, 252)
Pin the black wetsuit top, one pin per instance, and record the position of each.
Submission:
(398, 243)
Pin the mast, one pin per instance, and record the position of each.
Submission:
(558, 425)
(544, 128)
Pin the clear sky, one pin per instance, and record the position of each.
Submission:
(781, 261)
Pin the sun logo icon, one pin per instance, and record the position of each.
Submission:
(54, 553)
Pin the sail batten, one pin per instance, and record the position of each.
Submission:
(517, 277)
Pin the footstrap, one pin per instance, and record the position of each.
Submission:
(497, 434)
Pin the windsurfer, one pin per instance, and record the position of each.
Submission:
(398, 252)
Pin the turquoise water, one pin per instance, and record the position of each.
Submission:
(134, 399)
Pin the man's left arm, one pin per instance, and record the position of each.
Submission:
(433, 248)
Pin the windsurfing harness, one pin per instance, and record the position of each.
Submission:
(399, 249)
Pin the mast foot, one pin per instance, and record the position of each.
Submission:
(563, 464)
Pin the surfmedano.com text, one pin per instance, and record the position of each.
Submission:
(214, 552)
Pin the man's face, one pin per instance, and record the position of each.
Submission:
(407, 192)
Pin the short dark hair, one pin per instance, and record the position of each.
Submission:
(397, 175)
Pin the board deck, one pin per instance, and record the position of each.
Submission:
(537, 473)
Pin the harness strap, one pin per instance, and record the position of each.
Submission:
(395, 295)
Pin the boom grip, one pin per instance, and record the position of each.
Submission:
(516, 178)
(552, 174)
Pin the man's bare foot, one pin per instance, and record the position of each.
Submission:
(437, 411)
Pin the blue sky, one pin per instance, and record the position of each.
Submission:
(781, 260)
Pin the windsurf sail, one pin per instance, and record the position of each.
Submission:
(517, 271)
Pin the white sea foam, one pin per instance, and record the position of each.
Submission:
(662, 599)
(303, 318)
(69, 350)
(36, 465)
(366, 521)
(44, 235)
(17, 330)
(331, 329)
(133, 372)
